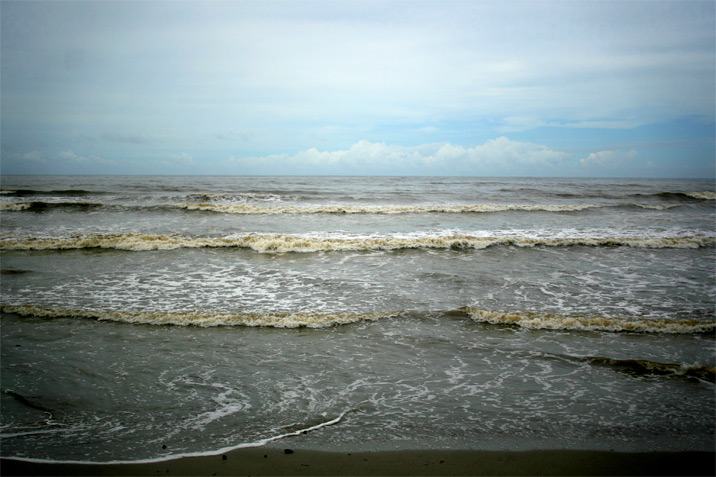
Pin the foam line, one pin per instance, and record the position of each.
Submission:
(278, 243)
(245, 445)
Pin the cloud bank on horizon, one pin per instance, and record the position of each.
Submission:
(516, 88)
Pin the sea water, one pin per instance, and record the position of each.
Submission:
(149, 317)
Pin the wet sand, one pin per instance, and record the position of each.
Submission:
(272, 461)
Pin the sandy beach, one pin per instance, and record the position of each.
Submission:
(271, 461)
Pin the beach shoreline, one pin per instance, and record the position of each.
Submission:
(274, 461)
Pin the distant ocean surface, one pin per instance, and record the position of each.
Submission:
(148, 317)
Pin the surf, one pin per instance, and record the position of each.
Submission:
(556, 321)
(279, 243)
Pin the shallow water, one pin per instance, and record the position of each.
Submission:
(374, 313)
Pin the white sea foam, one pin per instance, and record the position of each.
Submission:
(707, 194)
(657, 207)
(203, 318)
(16, 206)
(386, 209)
(42, 205)
(525, 319)
(644, 367)
(553, 321)
(245, 445)
(308, 243)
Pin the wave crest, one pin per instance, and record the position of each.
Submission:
(39, 206)
(385, 209)
(203, 318)
(525, 319)
(640, 367)
(268, 243)
(47, 193)
(553, 321)
(705, 195)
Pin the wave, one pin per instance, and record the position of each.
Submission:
(386, 209)
(29, 402)
(706, 195)
(240, 196)
(270, 243)
(246, 209)
(689, 196)
(404, 209)
(653, 206)
(640, 367)
(554, 321)
(48, 193)
(278, 194)
(39, 206)
(12, 271)
(203, 318)
(533, 320)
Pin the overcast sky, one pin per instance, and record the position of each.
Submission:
(519, 88)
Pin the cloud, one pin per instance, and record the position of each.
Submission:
(608, 158)
(181, 160)
(233, 136)
(32, 156)
(582, 63)
(71, 157)
(496, 156)
(66, 162)
(14, 162)
(126, 138)
(214, 78)
(429, 130)
(526, 123)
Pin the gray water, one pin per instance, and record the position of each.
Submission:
(146, 317)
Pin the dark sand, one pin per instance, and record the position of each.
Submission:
(271, 461)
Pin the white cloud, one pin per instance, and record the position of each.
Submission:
(608, 158)
(267, 77)
(35, 156)
(348, 61)
(496, 156)
(525, 123)
(14, 162)
(183, 160)
(70, 161)
(126, 138)
(429, 130)
(75, 159)
(66, 162)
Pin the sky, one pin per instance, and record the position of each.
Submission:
(471, 88)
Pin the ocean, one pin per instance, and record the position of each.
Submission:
(149, 317)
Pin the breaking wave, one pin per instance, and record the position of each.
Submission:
(247, 209)
(641, 367)
(39, 206)
(678, 197)
(277, 243)
(47, 193)
(549, 321)
(554, 321)
(241, 196)
(203, 318)
(387, 209)
(702, 195)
